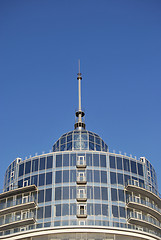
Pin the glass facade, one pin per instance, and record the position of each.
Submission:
(80, 183)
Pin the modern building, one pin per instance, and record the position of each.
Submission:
(80, 191)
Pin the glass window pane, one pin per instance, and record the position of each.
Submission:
(96, 176)
(48, 178)
(72, 159)
(47, 211)
(49, 162)
(90, 192)
(140, 169)
(133, 167)
(58, 210)
(40, 212)
(119, 163)
(90, 209)
(96, 160)
(103, 160)
(126, 164)
(104, 193)
(114, 211)
(72, 209)
(112, 162)
(72, 192)
(41, 196)
(121, 195)
(97, 209)
(66, 176)
(42, 163)
(28, 167)
(113, 177)
(41, 179)
(103, 177)
(89, 159)
(66, 160)
(34, 180)
(89, 176)
(48, 195)
(58, 160)
(72, 175)
(96, 192)
(105, 209)
(58, 177)
(65, 192)
(114, 194)
(65, 210)
(122, 212)
(58, 191)
(120, 178)
(21, 169)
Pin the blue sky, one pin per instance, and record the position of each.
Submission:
(119, 45)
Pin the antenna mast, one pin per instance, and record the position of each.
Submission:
(79, 114)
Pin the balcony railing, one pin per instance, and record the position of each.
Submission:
(15, 221)
(13, 206)
(81, 179)
(144, 220)
(134, 185)
(81, 197)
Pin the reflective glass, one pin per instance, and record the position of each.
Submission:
(126, 164)
(47, 211)
(112, 162)
(114, 194)
(119, 163)
(41, 196)
(133, 167)
(98, 147)
(65, 192)
(72, 159)
(34, 165)
(90, 209)
(84, 136)
(58, 160)
(69, 146)
(58, 177)
(91, 146)
(104, 193)
(65, 210)
(96, 176)
(97, 140)
(105, 209)
(90, 192)
(89, 159)
(115, 211)
(103, 160)
(77, 136)
(69, 138)
(84, 145)
(72, 192)
(66, 176)
(91, 138)
(72, 175)
(34, 180)
(113, 177)
(97, 209)
(72, 209)
(58, 210)
(28, 167)
(66, 160)
(140, 169)
(103, 177)
(49, 162)
(48, 195)
(120, 178)
(41, 179)
(96, 160)
(121, 195)
(77, 145)
(48, 178)
(96, 192)
(21, 169)
(58, 193)
(42, 163)
(122, 212)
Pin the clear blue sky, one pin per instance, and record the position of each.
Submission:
(119, 45)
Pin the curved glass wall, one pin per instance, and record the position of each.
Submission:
(80, 140)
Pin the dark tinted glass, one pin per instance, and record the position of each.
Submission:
(49, 162)
(96, 160)
(58, 177)
(104, 193)
(66, 160)
(113, 177)
(103, 176)
(21, 169)
(28, 167)
(120, 178)
(66, 176)
(48, 195)
(72, 175)
(103, 160)
(96, 176)
(121, 195)
(89, 176)
(96, 192)
(42, 163)
(97, 209)
(34, 180)
(89, 159)
(40, 212)
(133, 167)
(65, 192)
(114, 211)
(41, 196)
(122, 212)
(114, 194)
(126, 164)
(58, 210)
(104, 209)
(72, 159)
(65, 210)
(47, 211)
(58, 160)
(58, 191)
(119, 163)
(41, 179)
(140, 169)
(49, 178)
(35, 165)
(112, 162)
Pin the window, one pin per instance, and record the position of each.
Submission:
(58, 177)
(103, 160)
(90, 209)
(49, 162)
(115, 211)
(103, 177)
(48, 195)
(35, 165)
(66, 176)
(133, 167)
(58, 210)
(126, 164)
(72, 159)
(105, 209)
(113, 177)
(81, 161)
(120, 178)
(21, 169)
(90, 192)
(12, 174)
(140, 169)
(25, 199)
(25, 183)
(58, 160)
(42, 163)
(58, 191)
(89, 176)
(65, 209)
(112, 162)
(81, 209)
(40, 212)
(97, 209)
(96, 176)
(81, 193)
(114, 194)
(104, 193)
(48, 178)
(42, 179)
(119, 163)
(121, 195)
(65, 192)
(28, 167)
(89, 159)
(72, 175)
(47, 211)
(66, 160)
(96, 160)
(81, 176)
(41, 196)
(97, 193)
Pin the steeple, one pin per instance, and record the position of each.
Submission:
(79, 114)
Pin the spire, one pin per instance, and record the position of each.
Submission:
(79, 114)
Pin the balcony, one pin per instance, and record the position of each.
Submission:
(14, 206)
(81, 179)
(16, 191)
(135, 186)
(81, 195)
(17, 221)
(82, 211)
(143, 205)
(81, 162)
(144, 221)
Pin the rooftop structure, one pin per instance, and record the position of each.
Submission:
(80, 191)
